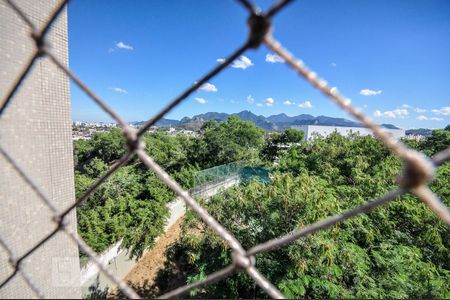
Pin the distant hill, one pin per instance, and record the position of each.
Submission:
(271, 123)
(245, 115)
(329, 121)
(259, 121)
(162, 123)
(421, 131)
(389, 126)
(284, 121)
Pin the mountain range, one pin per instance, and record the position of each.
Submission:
(420, 131)
(271, 123)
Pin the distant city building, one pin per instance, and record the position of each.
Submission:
(86, 130)
(415, 137)
(94, 124)
(312, 130)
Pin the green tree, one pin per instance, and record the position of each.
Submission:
(401, 250)
(128, 206)
(131, 204)
(292, 135)
(269, 151)
(106, 146)
(438, 141)
(168, 151)
(276, 141)
(226, 142)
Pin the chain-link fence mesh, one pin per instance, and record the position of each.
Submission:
(227, 175)
(417, 172)
(242, 170)
(218, 173)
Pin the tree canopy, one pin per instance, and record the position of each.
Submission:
(131, 204)
(401, 250)
(276, 140)
(229, 141)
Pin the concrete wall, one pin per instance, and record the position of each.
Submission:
(36, 131)
(311, 130)
(118, 260)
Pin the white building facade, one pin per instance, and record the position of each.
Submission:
(313, 130)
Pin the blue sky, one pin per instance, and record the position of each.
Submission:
(391, 58)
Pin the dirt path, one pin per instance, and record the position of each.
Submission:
(143, 275)
(154, 260)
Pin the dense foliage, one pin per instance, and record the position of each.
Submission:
(399, 250)
(131, 204)
(229, 141)
(276, 141)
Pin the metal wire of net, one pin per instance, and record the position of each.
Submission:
(417, 172)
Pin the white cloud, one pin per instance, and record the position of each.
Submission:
(208, 87)
(250, 99)
(306, 104)
(422, 118)
(416, 109)
(334, 65)
(437, 119)
(259, 104)
(273, 58)
(269, 101)
(443, 111)
(392, 114)
(119, 90)
(201, 100)
(377, 114)
(419, 110)
(122, 45)
(288, 102)
(243, 62)
(368, 92)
